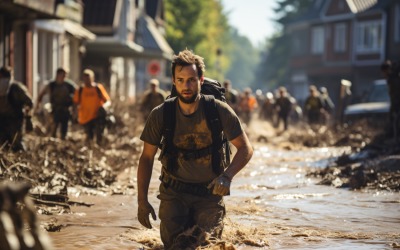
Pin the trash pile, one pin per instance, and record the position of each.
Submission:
(373, 163)
(50, 165)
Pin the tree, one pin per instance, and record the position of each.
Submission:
(202, 27)
(244, 60)
(274, 66)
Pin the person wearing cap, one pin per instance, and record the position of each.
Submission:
(61, 92)
(247, 104)
(152, 98)
(93, 102)
(15, 106)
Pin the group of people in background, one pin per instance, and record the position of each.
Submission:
(281, 107)
(89, 101)
(89, 104)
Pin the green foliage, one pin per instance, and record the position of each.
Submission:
(244, 59)
(202, 27)
(289, 9)
(274, 68)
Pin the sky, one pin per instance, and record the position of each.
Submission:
(252, 18)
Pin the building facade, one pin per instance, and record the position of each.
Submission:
(343, 39)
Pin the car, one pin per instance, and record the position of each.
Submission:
(375, 107)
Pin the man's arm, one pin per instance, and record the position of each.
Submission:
(144, 172)
(221, 184)
(41, 94)
(242, 156)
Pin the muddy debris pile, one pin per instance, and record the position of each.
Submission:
(373, 162)
(50, 165)
(356, 136)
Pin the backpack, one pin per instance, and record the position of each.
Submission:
(98, 93)
(211, 90)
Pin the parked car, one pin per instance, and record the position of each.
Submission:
(376, 105)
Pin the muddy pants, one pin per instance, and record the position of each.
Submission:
(95, 127)
(181, 211)
(61, 116)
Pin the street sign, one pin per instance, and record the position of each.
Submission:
(153, 68)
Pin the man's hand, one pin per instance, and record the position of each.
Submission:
(144, 209)
(220, 185)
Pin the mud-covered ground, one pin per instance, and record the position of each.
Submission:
(52, 166)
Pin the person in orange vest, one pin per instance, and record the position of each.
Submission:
(93, 103)
(248, 103)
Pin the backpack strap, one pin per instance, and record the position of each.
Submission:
(214, 124)
(98, 90)
(169, 120)
(99, 93)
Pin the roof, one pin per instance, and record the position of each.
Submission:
(109, 47)
(77, 30)
(152, 7)
(357, 6)
(150, 38)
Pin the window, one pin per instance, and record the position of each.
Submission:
(340, 37)
(369, 37)
(317, 40)
(397, 23)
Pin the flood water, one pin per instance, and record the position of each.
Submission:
(273, 205)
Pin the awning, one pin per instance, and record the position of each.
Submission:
(78, 30)
(113, 48)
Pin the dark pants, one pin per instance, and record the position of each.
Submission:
(314, 117)
(284, 117)
(95, 128)
(61, 118)
(11, 132)
(185, 218)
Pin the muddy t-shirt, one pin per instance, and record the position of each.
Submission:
(192, 132)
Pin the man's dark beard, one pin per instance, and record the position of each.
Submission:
(190, 100)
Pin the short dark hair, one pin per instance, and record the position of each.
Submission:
(186, 58)
(61, 70)
(6, 71)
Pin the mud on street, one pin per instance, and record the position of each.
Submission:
(302, 189)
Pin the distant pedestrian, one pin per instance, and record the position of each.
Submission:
(152, 98)
(313, 106)
(231, 95)
(327, 106)
(15, 105)
(247, 105)
(93, 103)
(283, 106)
(391, 72)
(267, 110)
(61, 92)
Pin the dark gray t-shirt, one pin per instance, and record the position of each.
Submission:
(192, 132)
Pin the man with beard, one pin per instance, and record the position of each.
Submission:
(191, 192)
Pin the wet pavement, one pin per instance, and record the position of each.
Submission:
(273, 205)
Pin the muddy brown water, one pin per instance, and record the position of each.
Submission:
(273, 205)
